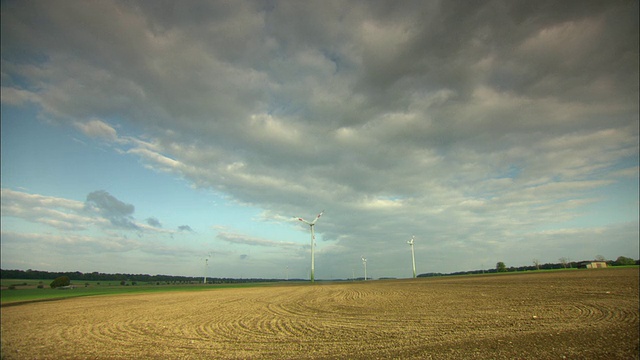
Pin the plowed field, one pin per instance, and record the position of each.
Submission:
(573, 314)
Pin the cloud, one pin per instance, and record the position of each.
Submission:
(100, 211)
(242, 239)
(185, 228)
(58, 230)
(78, 244)
(59, 213)
(474, 124)
(116, 211)
(13, 96)
(89, 252)
(154, 222)
(98, 129)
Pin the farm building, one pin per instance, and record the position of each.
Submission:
(592, 265)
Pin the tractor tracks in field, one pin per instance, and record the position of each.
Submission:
(319, 314)
(594, 312)
(377, 319)
(298, 314)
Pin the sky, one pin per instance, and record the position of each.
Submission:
(156, 137)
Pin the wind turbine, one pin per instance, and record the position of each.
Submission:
(364, 262)
(413, 255)
(313, 242)
(206, 267)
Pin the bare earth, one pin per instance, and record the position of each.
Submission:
(574, 315)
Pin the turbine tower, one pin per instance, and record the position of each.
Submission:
(313, 242)
(206, 267)
(413, 256)
(364, 262)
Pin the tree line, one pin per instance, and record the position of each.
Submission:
(173, 279)
(118, 277)
(563, 264)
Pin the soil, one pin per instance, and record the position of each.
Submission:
(576, 314)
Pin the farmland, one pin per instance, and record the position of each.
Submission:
(572, 314)
(30, 292)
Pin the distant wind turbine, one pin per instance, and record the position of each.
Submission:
(313, 242)
(206, 266)
(413, 255)
(364, 262)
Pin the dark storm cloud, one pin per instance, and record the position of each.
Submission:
(116, 211)
(154, 222)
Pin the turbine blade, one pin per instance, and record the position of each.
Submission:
(305, 221)
(317, 217)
